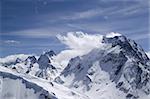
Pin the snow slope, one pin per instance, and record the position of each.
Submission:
(29, 87)
(148, 54)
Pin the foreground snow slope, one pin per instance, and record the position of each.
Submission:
(19, 86)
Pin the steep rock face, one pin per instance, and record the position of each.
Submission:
(122, 59)
(50, 53)
(129, 47)
(43, 62)
(31, 59)
(46, 69)
(45, 59)
(18, 60)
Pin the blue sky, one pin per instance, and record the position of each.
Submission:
(31, 26)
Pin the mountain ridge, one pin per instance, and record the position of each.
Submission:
(116, 68)
(124, 61)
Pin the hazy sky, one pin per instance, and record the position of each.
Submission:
(31, 26)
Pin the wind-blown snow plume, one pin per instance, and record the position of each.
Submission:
(78, 44)
(112, 34)
(76, 40)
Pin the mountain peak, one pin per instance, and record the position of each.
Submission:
(113, 34)
(122, 59)
(50, 53)
(128, 46)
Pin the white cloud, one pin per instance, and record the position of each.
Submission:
(42, 32)
(130, 10)
(76, 40)
(108, 12)
(90, 13)
(78, 44)
(82, 15)
(11, 42)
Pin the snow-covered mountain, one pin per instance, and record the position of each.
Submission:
(46, 69)
(120, 69)
(12, 59)
(40, 66)
(99, 67)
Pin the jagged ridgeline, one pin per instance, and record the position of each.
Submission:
(118, 69)
(122, 59)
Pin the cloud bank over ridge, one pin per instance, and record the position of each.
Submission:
(77, 44)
